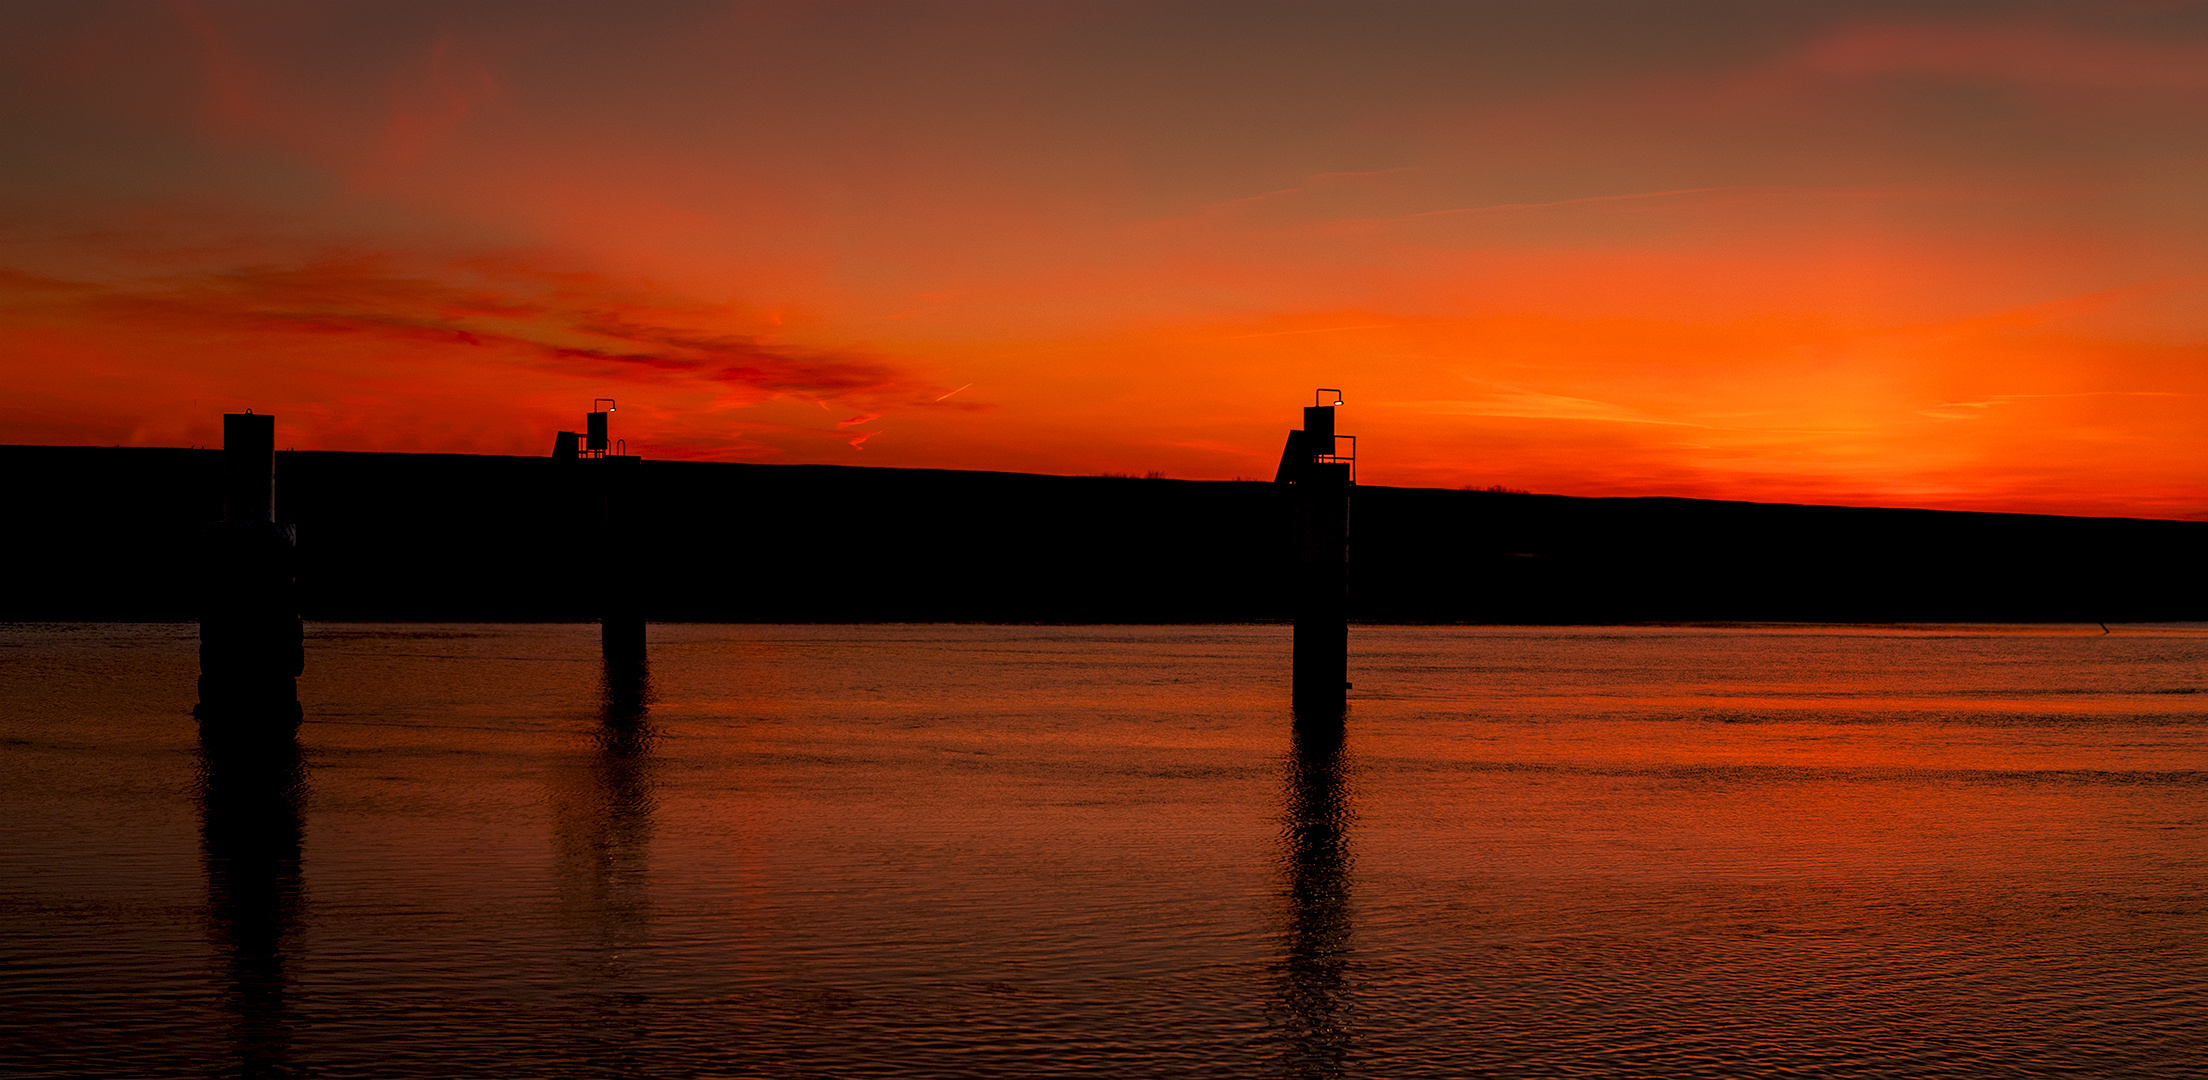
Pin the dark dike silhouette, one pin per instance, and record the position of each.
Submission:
(439, 536)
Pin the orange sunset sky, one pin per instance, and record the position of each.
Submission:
(1909, 254)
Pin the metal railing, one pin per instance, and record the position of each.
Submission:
(1336, 457)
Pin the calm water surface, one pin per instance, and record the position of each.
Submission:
(1022, 851)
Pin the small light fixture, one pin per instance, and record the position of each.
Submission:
(1325, 390)
(594, 404)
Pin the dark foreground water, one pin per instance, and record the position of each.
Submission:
(1020, 851)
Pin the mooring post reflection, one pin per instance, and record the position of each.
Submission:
(603, 829)
(252, 794)
(1314, 977)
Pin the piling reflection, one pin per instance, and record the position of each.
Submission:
(252, 793)
(1315, 1006)
(603, 828)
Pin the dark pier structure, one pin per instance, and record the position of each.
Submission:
(823, 543)
(1319, 477)
(251, 640)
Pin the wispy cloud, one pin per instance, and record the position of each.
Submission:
(1973, 410)
(2008, 52)
(1585, 200)
(1538, 406)
(496, 308)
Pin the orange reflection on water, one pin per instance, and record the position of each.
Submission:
(949, 849)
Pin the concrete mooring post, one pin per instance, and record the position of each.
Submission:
(252, 645)
(620, 598)
(1320, 477)
(607, 482)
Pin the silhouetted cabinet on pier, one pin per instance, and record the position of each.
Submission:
(251, 642)
(1319, 478)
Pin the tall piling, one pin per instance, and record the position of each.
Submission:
(620, 595)
(1320, 478)
(606, 477)
(252, 645)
